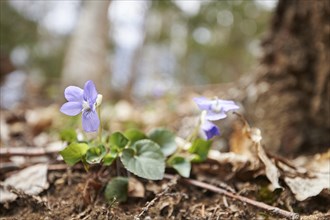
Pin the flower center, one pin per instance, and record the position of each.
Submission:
(216, 106)
(85, 106)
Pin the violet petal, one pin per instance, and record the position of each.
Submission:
(228, 105)
(209, 129)
(71, 108)
(90, 93)
(202, 103)
(73, 94)
(90, 121)
(212, 116)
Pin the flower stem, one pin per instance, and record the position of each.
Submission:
(100, 129)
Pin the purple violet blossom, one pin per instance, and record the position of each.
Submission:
(209, 130)
(216, 109)
(85, 101)
(212, 110)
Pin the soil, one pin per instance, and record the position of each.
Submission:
(65, 199)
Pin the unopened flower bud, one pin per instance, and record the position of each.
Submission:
(99, 100)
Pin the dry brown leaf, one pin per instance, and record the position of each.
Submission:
(305, 187)
(318, 178)
(247, 141)
(241, 141)
(31, 180)
(272, 171)
(319, 163)
(135, 188)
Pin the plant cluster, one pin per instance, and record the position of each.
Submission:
(145, 155)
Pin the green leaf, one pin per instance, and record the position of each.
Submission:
(118, 139)
(165, 139)
(95, 154)
(201, 148)
(145, 159)
(181, 164)
(74, 153)
(69, 135)
(134, 135)
(109, 158)
(117, 189)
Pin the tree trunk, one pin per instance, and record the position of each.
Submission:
(87, 52)
(292, 86)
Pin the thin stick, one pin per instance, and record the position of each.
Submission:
(271, 209)
(26, 151)
(61, 167)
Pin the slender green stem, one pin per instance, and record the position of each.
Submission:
(100, 129)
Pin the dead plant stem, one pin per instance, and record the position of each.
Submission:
(260, 205)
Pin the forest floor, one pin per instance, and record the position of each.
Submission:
(215, 190)
(182, 201)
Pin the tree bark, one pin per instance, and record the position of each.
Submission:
(292, 85)
(87, 52)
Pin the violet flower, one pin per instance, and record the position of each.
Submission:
(212, 110)
(216, 109)
(208, 130)
(84, 101)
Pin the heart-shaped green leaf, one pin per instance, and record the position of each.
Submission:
(117, 189)
(118, 139)
(201, 149)
(181, 164)
(95, 154)
(145, 159)
(74, 153)
(134, 135)
(165, 139)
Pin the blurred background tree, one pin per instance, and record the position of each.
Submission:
(87, 52)
(290, 100)
(199, 42)
(153, 47)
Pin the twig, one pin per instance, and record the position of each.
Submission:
(271, 209)
(26, 151)
(13, 167)
(60, 167)
(152, 202)
(83, 214)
